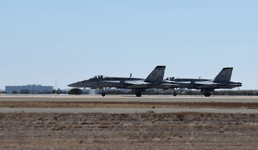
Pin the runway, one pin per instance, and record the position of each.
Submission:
(124, 98)
(127, 98)
(124, 110)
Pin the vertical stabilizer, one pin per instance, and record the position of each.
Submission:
(156, 75)
(224, 75)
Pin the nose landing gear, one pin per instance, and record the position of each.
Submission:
(174, 92)
(103, 92)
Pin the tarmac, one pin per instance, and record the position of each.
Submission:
(123, 98)
(125, 110)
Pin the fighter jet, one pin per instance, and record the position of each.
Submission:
(138, 85)
(221, 81)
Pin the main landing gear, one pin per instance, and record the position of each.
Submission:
(103, 91)
(138, 94)
(206, 92)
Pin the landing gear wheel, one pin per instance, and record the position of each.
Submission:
(138, 94)
(175, 94)
(207, 94)
(103, 94)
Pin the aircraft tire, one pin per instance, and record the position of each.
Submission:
(175, 94)
(207, 94)
(103, 94)
(138, 94)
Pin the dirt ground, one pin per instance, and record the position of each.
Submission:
(128, 131)
(132, 104)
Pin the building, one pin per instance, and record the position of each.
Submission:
(28, 89)
(24, 91)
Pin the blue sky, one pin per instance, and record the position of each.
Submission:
(44, 41)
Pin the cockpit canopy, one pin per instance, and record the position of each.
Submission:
(98, 77)
(170, 78)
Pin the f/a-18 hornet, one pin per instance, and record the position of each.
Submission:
(138, 85)
(221, 81)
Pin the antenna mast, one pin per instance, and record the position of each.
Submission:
(56, 84)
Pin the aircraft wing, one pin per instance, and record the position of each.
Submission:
(137, 84)
(141, 84)
(198, 84)
(206, 84)
(110, 81)
(184, 82)
(168, 85)
(128, 84)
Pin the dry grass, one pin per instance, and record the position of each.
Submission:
(52, 104)
(128, 131)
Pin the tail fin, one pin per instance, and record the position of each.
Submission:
(156, 75)
(224, 75)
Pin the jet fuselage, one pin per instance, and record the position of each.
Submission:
(221, 81)
(205, 84)
(153, 80)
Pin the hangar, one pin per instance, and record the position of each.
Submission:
(28, 89)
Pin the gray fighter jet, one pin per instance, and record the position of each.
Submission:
(138, 85)
(221, 81)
